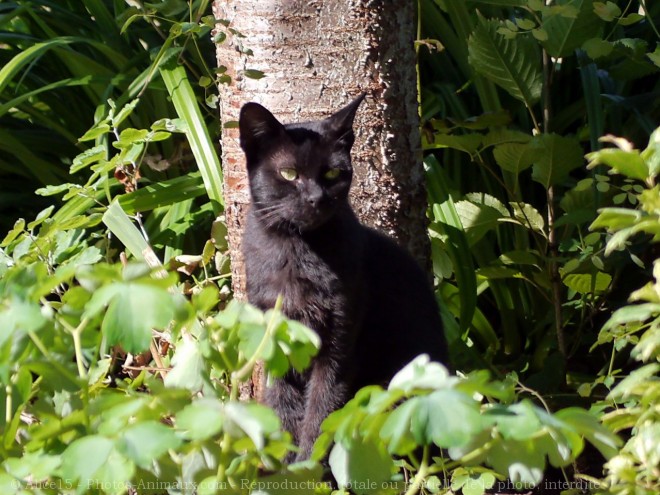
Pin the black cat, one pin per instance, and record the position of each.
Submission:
(366, 297)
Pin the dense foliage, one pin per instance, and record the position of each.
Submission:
(122, 353)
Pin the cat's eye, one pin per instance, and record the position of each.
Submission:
(289, 173)
(332, 174)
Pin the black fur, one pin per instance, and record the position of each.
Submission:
(366, 297)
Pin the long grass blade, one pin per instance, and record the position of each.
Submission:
(201, 144)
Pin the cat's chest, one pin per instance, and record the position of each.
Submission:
(311, 284)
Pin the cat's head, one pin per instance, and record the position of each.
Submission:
(299, 174)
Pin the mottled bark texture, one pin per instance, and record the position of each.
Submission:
(316, 55)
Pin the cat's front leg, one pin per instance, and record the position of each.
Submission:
(287, 398)
(327, 390)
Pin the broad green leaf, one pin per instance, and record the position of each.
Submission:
(651, 155)
(518, 421)
(477, 219)
(133, 310)
(529, 216)
(566, 34)
(447, 418)
(189, 369)
(614, 219)
(146, 441)
(254, 420)
(85, 456)
(558, 155)
(587, 283)
(200, 420)
(522, 461)
(362, 465)
(513, 64)
(628, 163)
(632, 313)
(587, 425)
(468, 143)
(421, 373)
(19, 226)
(607, 11)
(515, 157)
(501, 136)
(597, 47)
(396, 429)
(631, 384)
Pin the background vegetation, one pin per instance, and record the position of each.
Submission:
(122, 353)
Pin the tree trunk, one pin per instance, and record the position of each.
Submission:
(315, 56)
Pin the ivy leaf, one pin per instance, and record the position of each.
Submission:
(513, 64)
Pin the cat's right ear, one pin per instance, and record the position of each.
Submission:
(257, 127)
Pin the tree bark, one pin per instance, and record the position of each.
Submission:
(315, 56)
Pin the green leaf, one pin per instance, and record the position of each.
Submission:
(558, 155)
(513, 64)
(362, 465)
(566, 34)
(146, 441)
(523, 462)
(87, 158)
(515, 157)
(468, 143)
(447, 418)
(124, 112)
(189, 369)
(200, 420)
(518, 421)
(478, 218)
(133, 310)
(396, 429)
(528, 216)
(19, 226)
(587, 283)
(597, 48)
(254, 420)
(651, 154)
(628, 163)
(607, 11)
(253, 74)
(421, 373)
(200, 141)
(632, 313)
(587, 425)
(85, 458)
(614, 219)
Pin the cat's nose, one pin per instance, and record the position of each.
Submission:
(314, 196)
(315, 199)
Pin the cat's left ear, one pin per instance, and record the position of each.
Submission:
(341, 122)
(257, 127)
